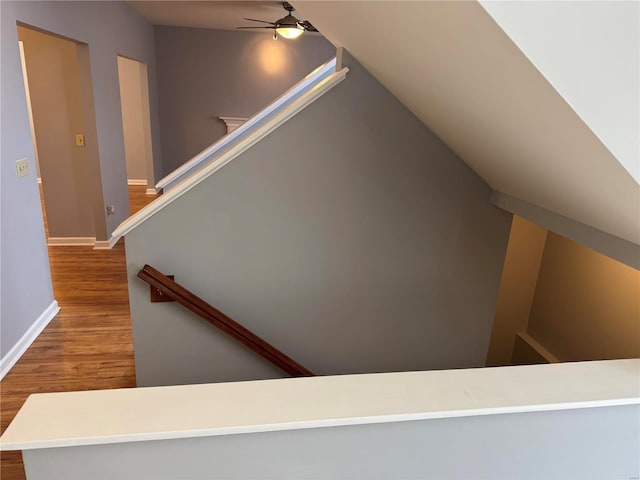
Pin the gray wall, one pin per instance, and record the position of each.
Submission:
(370, 247)
(108, 28)
(593, 443)
(205, 74)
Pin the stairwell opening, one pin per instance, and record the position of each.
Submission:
(560, 301)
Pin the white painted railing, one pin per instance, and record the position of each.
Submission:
(208, 153)
(273, 121)
(571, 420)
(96, 417)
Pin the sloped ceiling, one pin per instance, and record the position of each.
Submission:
(218, 14)
(590, 52)
(456, 70)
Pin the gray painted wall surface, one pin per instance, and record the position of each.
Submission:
(108, 28)
(594, 443)
(371, 247)
(205, 74)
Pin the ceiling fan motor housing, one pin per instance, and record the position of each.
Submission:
(288, 21)
(288, 26)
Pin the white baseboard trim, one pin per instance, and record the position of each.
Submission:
(134, 181)
(71, 241)
(12, 356)
(105, 244)
(82, 242)
(151, 191)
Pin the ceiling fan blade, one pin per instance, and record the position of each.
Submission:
(245, 28)
(307, 26)
(261, 21)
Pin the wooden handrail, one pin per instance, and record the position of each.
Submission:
(218, 319)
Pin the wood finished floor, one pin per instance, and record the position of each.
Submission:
(88, 345)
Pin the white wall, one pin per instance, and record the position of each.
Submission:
(590, 53)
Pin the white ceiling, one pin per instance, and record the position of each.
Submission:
(590, 53)
(222, 15)
(453, 66)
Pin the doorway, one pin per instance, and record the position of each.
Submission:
(136, 125)
(57, 80)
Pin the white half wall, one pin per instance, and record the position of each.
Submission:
(575, 420)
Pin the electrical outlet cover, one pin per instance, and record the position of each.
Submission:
(22, 167)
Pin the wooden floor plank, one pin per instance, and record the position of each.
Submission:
(88, 346)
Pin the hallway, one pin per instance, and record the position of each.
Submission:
(88, 345)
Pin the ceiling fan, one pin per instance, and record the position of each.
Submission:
(287, 27)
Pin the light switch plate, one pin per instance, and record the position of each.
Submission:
(79, 140)
(22, 166)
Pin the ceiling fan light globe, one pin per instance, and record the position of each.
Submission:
(289, 32)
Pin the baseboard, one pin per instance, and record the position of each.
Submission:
(134, 181)
(105, 244)
(12, 356)
(71, 241)
(82, 242)
(151, 191)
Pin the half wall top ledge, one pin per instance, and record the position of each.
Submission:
(458, 71)
(95, 417)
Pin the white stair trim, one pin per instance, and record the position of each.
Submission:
(105, 244)
(254, 137)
